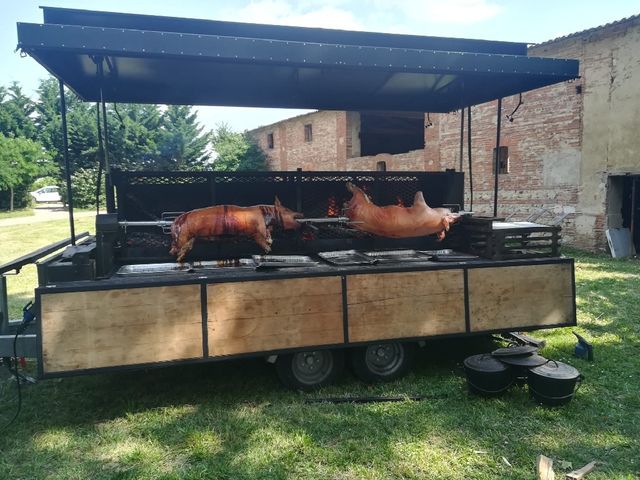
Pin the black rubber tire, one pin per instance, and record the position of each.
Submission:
(382, 362)
(310, 370)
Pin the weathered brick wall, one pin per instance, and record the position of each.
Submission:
(610, 73)
(544, 153)
(565, 141)
(409, 161)
(326, 150)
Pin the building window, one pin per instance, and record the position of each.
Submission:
(308, 133)
(270, 140)
(391, 133)
(503, 160)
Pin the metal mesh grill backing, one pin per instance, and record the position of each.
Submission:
(146, 195)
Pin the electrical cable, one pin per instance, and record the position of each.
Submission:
(27, 317)
(374, 399)
(115, 109)
(510, 116)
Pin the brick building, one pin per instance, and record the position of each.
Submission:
(571, 148)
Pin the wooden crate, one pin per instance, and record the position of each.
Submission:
(498, 240)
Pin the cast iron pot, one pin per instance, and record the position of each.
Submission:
(554, 383)
(520, 366)
(486, 375)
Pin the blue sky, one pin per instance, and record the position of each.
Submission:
(515, 20)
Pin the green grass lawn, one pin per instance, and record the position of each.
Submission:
(23, 212)
(233, 420)
(19, 240)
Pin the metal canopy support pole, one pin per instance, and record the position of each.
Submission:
(461, 136)
(496, 168)
(100, 158)
(67, 168)
(469, 155)
(4, 305)
(632, 225)
(111, 204)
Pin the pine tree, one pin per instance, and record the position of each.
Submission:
(183, 142)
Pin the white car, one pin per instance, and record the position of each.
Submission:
(49, 193)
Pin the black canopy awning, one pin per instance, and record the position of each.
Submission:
(150, 59)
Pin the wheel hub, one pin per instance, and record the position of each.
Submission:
(312, 367)
(384, 358)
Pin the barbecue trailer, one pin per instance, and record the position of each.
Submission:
(118, 300)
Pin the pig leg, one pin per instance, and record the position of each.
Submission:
(186, 248)
(264, 240)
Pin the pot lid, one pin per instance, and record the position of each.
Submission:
(528, 361)
(515, 351)
(556, 370)
(484, 362)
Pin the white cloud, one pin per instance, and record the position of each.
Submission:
(281, 12)
(420, 12)
(460, 11)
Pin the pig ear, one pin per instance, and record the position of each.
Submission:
(276, 202)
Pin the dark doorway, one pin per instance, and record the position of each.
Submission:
(391, 133)
(624, 205)
(631, 207)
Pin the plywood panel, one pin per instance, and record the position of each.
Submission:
(521, 296)
(108, 328)
(275, 314)
(409, 304)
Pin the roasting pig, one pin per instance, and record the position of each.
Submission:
(397, 222)
(256, 222)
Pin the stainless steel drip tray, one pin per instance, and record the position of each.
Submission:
(347, 257)
(448, 255)
(177, 268)
(393, 256)
(227, 263)
(283, 261)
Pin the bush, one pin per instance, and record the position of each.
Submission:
(83, 186)
(43, 182)
(21, 198)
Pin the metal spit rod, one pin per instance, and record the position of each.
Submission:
(324, 220)
(168, 223)
(149, 223)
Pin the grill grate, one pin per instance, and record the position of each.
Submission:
(146, 195)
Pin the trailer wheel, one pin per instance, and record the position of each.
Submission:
(310, 369)
(382, 362)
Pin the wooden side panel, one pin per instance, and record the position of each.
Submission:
(410, 304)
(275, 314)
(109, 328)
(522, 296)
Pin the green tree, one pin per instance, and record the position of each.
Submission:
(21, 162)
(182, 140)
(16, 110)
(134, 133)
(83, 187)
(236, 151)
(81, 124)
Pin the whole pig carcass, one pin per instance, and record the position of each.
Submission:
(254, 222)
(397, 222)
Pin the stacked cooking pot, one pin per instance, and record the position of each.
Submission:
(549, 382)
